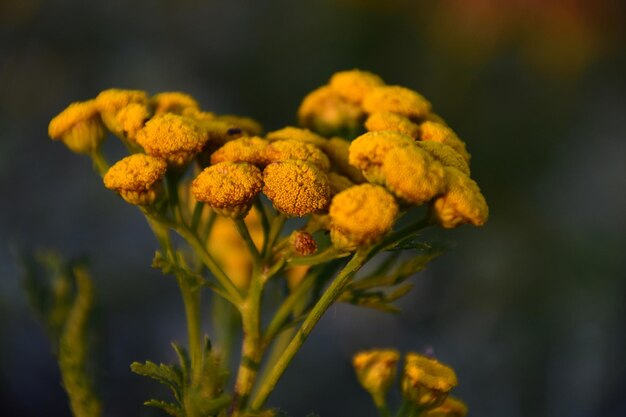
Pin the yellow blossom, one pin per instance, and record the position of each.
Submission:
(445, 154)
(437, 132)
(173, 102)
(111, 101)
(462, 203)
(354, 85)
(228, 187)
(198, 115)
(391, 121)
(296, 188)
(245, 149)
(426, 381)
(376, 369)
(281, 150)
(174, 138)
(361, 215)
(131, 119)
(451, 407)
(249, 126)
(338, 151)
(413, 175)
(396, 99)
(325, 111)
(137, 178)
(338, 183)
(296, 133)
(79, 127)
(368, 151)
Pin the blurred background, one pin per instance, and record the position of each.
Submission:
(529, 309)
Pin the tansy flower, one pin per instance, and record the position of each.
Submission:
(396, 99)
(354, 85)
(338, 183)
(228, 187)
(391, 121)
(131, 119)
(413, 175)
(298, 134)
(296, 188)
(426, 382)
(462, 203)
(246, 149)
(445, 154)
(281, 150)
(248, 125)
(79, 127)
(173, 102)
(451, 407)
(174, 138)
(137, 178)
(338, 151)
(302, 243)
(361, 215)
(376, 369)
(325, 111)
(111, 101)
(437, 132)
(368, 151)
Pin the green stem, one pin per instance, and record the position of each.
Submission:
(206, 233)
(99, 163)
(243, 231)
(321, 257)
(381, 405)
(276, 227)
(196, 216)
(265, 221)
(191, 301)
(327, 299)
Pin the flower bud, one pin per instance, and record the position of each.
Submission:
(376, 370)
(396, 99)
(303, 243)
(462, 203)
(138, 178)
(451, 407)
(79, 127)
(354, 85)
(426, 382)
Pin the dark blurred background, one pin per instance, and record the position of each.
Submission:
(529, 309)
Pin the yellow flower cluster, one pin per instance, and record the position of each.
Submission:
(426, 381)
(137, 178)
(376, 369)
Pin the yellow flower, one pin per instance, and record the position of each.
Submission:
(79, 127)
(296, 188)
(368, 151)
(247, 149)
(445, 154)
(131, 119)
(111, 101)
(137, 178)
(391, 121)
(173, 102)
(354, 85)
(376, 370)
(426, 382)
(361, 215)
(451, 407)
(325, 111)
(413, 175)
(338, 183)
(174, 138)
(298, 134)
(338, 151)
(228, 187)
(462, 203)
(437, 132)
(396, 99)
(281, 150)
(248, 125)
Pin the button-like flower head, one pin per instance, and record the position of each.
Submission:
(391, 121)
(368, 152)
(327, 112)
(298, 134)
(247, 149)
(354, 85)
(445, 154)
(111, 101)
(79, 127)
(462, 203)
(426, 382)
(396, 99)
(137, 178)
(376, 369)
(292, 149)
(437, 132)
(173, 102)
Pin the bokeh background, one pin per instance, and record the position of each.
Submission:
(529, 309)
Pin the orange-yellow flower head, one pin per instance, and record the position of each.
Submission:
(445, 154)
(462, 203)
(296, 188)
(396, 99)
(174, 138)
(451, 407)
(368, 152)
(376, 369)
(131, 119)
(137, 178)
(413, 175)
(338, 183)
(111, 101)
(173, 102)
(79, 127)
(298, 134)
(361, 215)
(437, 132)
(338, 150)
(281, 150)
(391, 121)
(245, 149)
(426, 382)
(327, 112)
(354, 85)
(228, 187)
(249, 126)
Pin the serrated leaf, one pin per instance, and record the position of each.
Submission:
(170, 408)
(183, 359)
(165, 374)
(399, 292)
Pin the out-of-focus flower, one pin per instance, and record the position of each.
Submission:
(376, 369)
(462, 202)
(327, 112)
(173, 102)
(451, 407)
(247, 149)
(445, 154)
(338, 150)
(396, 99)
(437, 132)
(248, 125)
(79, 127)
(302, 243)
(391, 121)
(298, 134)
(354, 85)
(426, 382)
(281, 150)
(111, 101)
(137, 178)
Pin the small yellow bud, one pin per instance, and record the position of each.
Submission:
(328, 113)
(462, 203)
(282, 150)
(354, 85)
(176, 139)
(298, 134)
(247, 149)
(445, 154)
(361, 215)
(111, 101)
(296, 188)
(451, 407)
(426, 382)
(376, 370)
(79, 127)
(368, 152)
(396, 99)
(137, 178)
(173, 102)
(437, 132)
(228, 187)
(391, 121)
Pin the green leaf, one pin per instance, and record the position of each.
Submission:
(165, 374)
(170, 408)
(183, 359)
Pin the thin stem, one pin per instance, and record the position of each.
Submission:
(99, 163)
(276, 227)
(196, 216)
(206, 233)
(265, 221)
(243, 231)
(191, 301)
(381, 405)
(321, 257)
